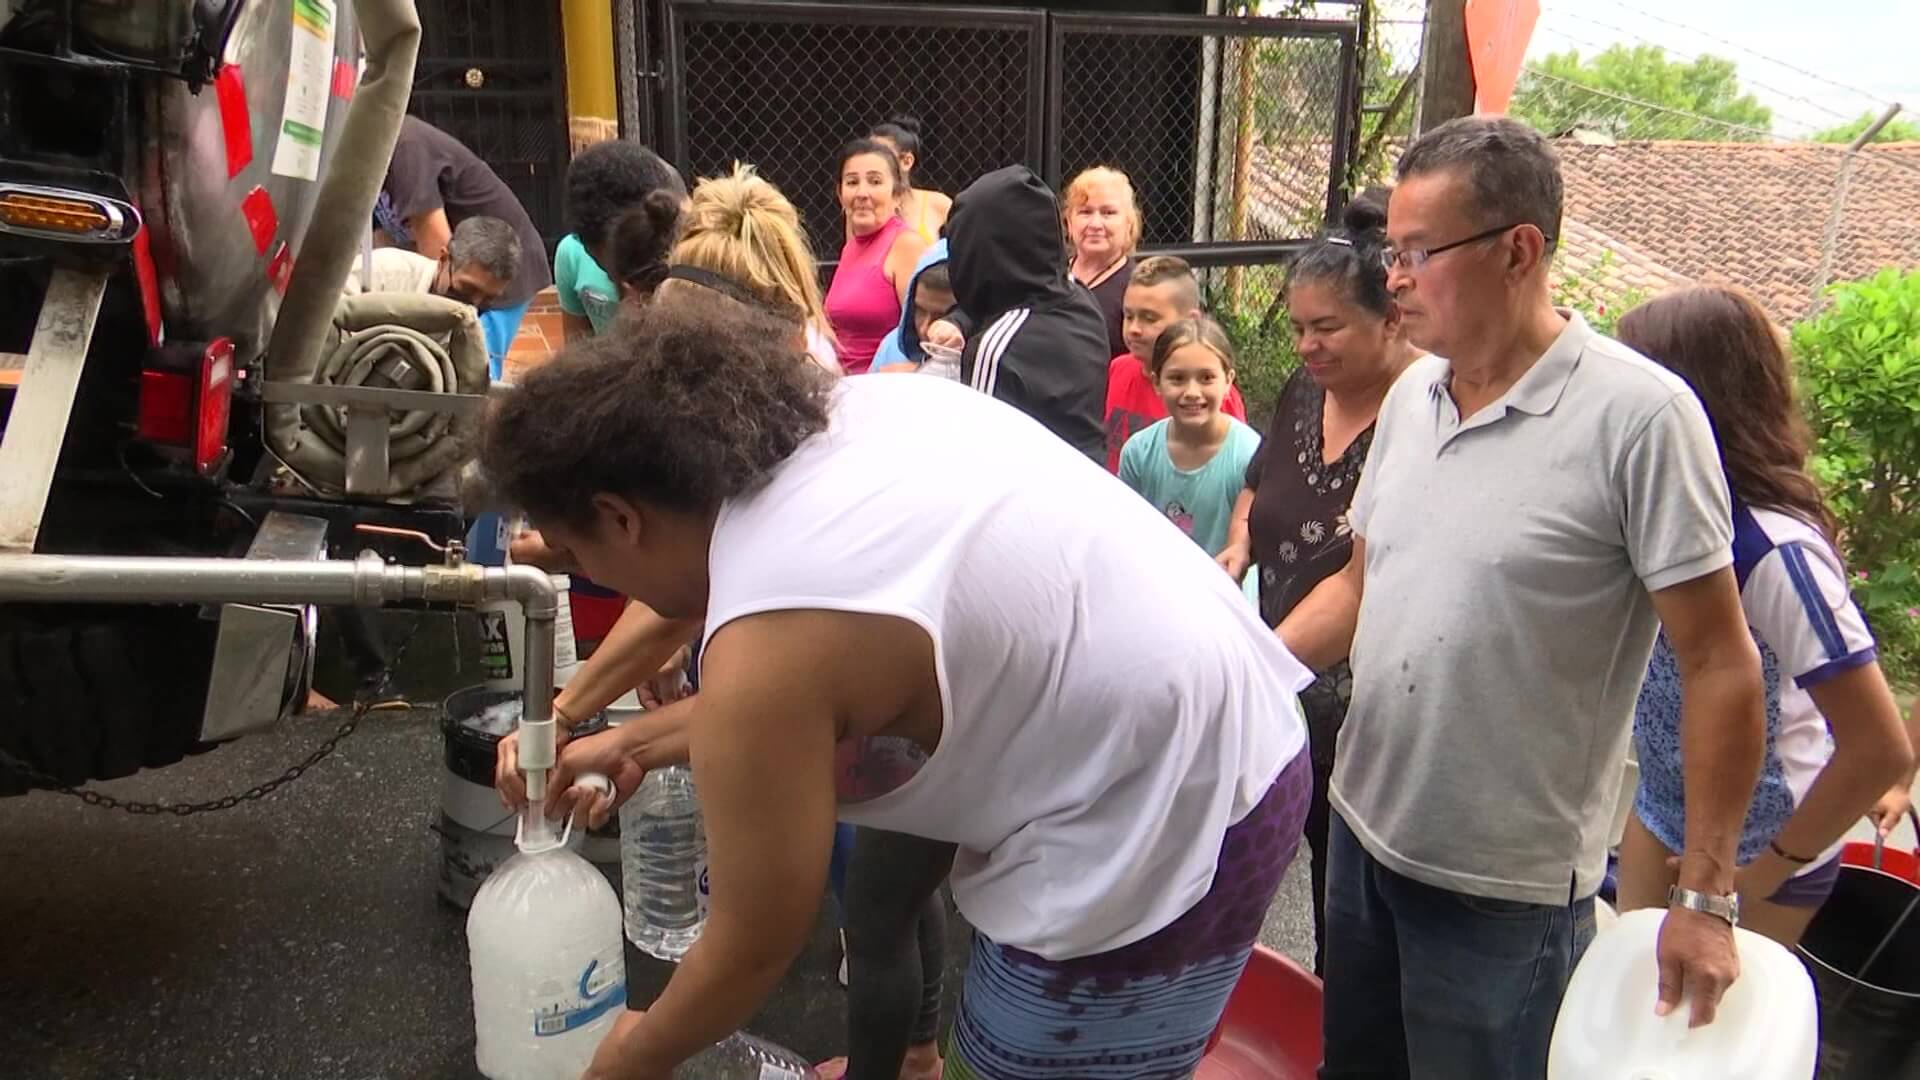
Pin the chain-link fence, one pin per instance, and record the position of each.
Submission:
(1233, 130)
(785, 86)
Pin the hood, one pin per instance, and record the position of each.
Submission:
(904, 338)
(1006, 247)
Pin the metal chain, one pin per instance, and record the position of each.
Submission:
(226, 802)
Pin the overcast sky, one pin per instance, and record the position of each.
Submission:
(1871, 47)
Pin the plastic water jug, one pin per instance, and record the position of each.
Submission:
(549, 973)
(502, 652)
(663, 864)
(742, 1057)
(942, 361)
(1765, 1029)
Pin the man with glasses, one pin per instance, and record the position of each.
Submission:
(1538, 501)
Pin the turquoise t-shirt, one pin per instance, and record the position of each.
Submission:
(584, 288)
(1199, 501)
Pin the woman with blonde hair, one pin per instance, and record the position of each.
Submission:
(741, 231)
(1102, 222)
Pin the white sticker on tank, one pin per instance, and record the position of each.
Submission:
(303, 120)
(770, 1071)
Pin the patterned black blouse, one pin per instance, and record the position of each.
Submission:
(1298, 523)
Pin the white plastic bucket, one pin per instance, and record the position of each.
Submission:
(1766, 1028)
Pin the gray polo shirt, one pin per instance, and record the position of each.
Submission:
(1506, 624)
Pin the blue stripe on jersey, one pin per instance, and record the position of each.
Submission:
(1837, 667)
(1793, 558)
(1750, 542)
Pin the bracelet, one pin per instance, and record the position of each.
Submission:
(567, 723)
(1774, 846)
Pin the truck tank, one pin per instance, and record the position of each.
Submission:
(225, 222)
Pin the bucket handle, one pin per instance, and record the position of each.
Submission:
(1880, 840)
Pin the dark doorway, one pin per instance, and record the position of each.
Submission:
(493, 75)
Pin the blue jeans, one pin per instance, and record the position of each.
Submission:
(1424, 982)
(500, 325)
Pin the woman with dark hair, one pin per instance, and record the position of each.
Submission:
(1815, 649)
(858, 603)
(923, 209)
(1290, 523)
(606, 181)
(876, 264)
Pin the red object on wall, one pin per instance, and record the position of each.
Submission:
(280, 268)
(262, 219)
(235, 119)
(149, 279)
(1497, 36)
(345, 78)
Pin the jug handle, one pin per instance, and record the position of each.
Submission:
(593, 780)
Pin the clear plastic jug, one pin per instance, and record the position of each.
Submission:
(741, 1056)
(549, 970)
(1765, 1029)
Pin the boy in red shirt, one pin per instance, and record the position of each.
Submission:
(1163, 292)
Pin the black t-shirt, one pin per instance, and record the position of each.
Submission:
(431, 170)
(1298, 522)
(1111, 295)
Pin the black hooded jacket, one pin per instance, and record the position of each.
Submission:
(1038, 341)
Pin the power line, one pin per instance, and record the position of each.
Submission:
(1586, 45)
(1744, 80)
(1595, 48)
(1637, 103)
(1750, 52)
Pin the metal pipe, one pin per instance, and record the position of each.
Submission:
(1839, 205)
(363, 582)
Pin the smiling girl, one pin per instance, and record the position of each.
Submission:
(1190, 465)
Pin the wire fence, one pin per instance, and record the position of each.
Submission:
(784, 87)
(1236, 133)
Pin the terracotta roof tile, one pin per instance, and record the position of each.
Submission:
(1749, 214)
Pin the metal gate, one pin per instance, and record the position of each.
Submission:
(785, 85)
(492, 74)
(1237, 133)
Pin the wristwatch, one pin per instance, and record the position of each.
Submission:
(1726, 907)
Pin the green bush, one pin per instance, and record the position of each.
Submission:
(1256, 323)
(1859, 362)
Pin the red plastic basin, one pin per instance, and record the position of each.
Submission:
(1901, 864)
(1271, 1029)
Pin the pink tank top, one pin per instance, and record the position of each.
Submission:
(862, 304)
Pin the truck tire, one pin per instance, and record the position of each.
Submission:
(95, 693)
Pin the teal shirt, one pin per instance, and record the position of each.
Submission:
(584, 288)
(1199, 501)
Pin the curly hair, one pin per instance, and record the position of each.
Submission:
(642, 238)
(682, 406)
(609, 178)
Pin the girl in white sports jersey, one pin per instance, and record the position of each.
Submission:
(1816, 651)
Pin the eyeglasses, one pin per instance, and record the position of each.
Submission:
(1415, 258)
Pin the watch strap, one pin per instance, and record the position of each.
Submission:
(1724, 907)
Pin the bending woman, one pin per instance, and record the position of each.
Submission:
(1818, 657)
(858, 603)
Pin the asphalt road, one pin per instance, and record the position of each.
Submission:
(296, 937)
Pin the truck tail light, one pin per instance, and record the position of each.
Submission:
(187, 407)
(59, 213)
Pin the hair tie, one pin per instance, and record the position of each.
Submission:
(717, 282)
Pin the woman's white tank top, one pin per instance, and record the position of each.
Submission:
(1112, 703)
